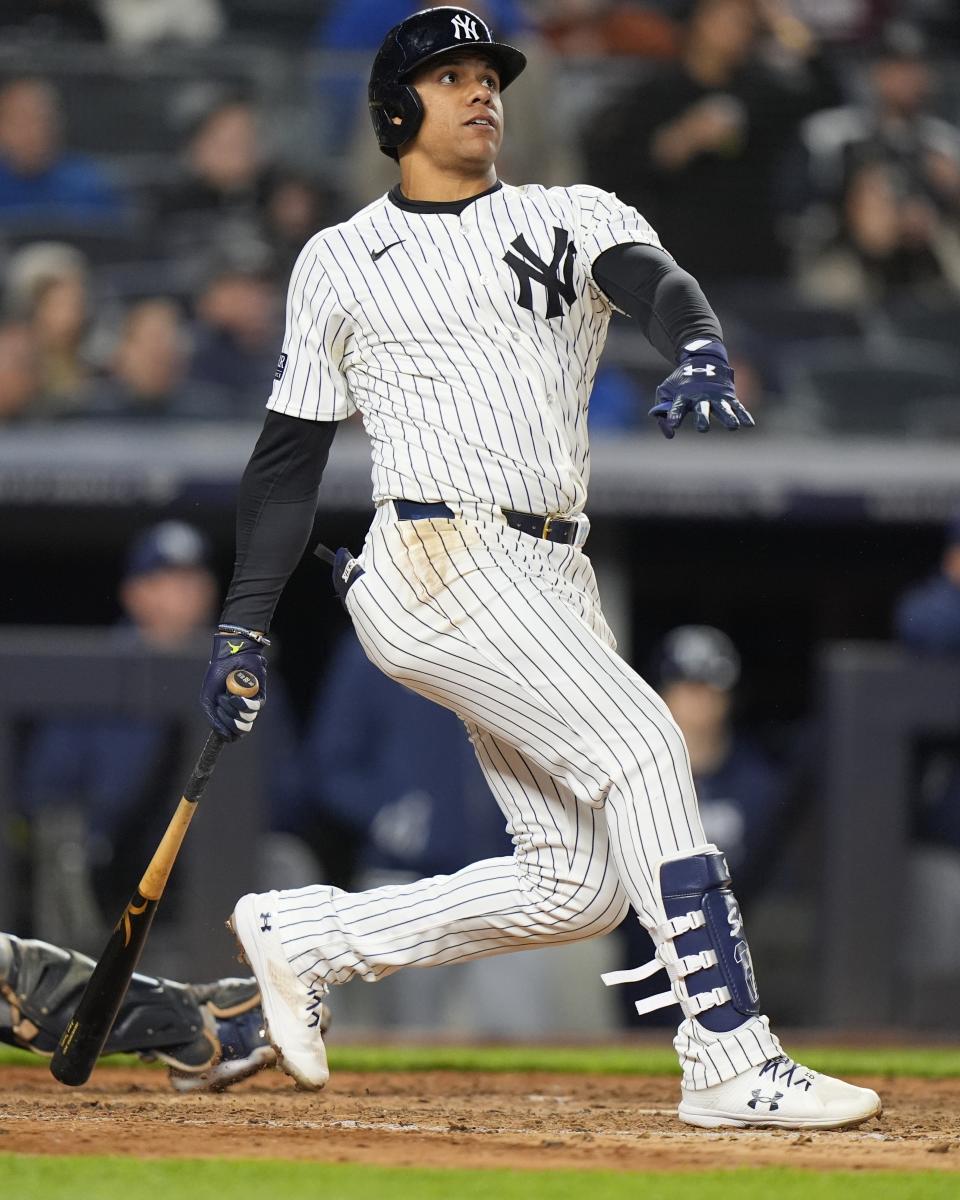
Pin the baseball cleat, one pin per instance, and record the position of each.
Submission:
(293, 1013)
(226, 1072)
(780, 1094)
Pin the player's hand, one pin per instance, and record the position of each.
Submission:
(702, 385)
(233, 647)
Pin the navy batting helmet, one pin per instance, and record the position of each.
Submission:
(424, 36)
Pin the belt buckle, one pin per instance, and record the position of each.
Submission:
(547, 522)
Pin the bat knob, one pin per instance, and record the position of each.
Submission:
(243, 683)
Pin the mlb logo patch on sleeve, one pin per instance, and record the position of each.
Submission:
(281, 367)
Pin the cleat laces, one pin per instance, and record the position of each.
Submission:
(314, 1008)
(781, 1070)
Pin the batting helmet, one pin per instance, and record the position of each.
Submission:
(424, 36)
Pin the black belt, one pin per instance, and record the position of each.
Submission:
(554, 529)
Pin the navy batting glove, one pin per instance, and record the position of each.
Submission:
(701, 384)
(233, 647)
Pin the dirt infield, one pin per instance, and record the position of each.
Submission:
(458, 1119)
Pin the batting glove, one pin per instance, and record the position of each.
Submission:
(702, 384)
(233, 647)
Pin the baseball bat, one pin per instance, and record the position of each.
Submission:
(86, 1034)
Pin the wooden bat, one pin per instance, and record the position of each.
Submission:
(86, 1035)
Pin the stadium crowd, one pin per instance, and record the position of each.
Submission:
(162, 162)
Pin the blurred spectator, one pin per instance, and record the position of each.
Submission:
(295, 207)
(148, 375)
(112, 767)
(699, 146)
(137, 24)
(360, 24)
(743, 794)
(40, 181)
(47, 20)
(168, 591)
(606, 27)
(889, 244)
(237, 327)
(20, 385)
(927, 617)
(47, 287)
(218, 194)
(399, 772)
(885, 174)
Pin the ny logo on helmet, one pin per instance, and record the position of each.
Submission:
(465, 27)
(531, 268)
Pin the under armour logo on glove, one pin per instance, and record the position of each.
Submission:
(703, 385)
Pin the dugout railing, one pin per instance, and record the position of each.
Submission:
(55, 673)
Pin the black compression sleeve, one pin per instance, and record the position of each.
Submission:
(275, 512)
(645, 283)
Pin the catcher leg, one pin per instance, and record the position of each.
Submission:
(210, 1035)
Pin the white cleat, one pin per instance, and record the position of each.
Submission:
(292, 1012)
(780, 1094)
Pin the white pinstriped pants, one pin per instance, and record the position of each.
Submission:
(580, 753)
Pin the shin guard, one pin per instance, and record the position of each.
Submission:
(700, 944)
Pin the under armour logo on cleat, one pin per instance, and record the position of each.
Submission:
(265, 925)
(771, 1101)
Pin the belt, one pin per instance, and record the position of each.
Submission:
(553, 529)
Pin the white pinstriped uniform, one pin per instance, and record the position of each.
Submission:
(473, 378)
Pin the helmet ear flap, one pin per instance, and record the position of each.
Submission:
(401, 101)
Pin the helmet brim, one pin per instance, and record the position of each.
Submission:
(508, 60)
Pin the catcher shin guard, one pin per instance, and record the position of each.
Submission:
(700, 944)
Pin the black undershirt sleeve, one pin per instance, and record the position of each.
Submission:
(275, 513)
(645, 283)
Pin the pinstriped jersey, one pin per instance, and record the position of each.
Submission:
(467, 341)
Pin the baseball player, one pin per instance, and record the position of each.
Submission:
(209, 1035)
(464, 318)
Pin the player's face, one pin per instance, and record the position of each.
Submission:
(463, 113)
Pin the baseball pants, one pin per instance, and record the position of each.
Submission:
(582, 756)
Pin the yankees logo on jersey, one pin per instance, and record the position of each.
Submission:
(470, 348)
(530, 268)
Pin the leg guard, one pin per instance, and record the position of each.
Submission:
(700, 944)
(41, 984)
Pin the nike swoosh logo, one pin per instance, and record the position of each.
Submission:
(375, 254)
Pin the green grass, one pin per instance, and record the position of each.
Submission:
(927, 1062)
(41, 1178)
